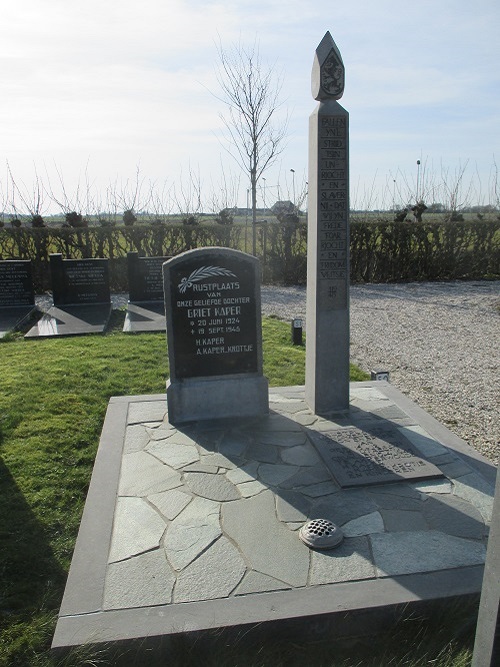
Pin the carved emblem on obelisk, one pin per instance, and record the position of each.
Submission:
(328, 72)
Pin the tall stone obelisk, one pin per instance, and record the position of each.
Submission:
(327, 327)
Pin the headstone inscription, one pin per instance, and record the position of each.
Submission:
(327, 326)
(79, 281)
(487, 643)
(146, 306)
(17, 297)
(212, 296)
(16, 284)
(145, 280)
(358, 457)
(81, 295)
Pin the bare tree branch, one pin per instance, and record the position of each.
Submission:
(251, 93)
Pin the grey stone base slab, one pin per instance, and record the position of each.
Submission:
(13, 318)
(194, 399)
(189, 527)
(145, 316)
(72, 321)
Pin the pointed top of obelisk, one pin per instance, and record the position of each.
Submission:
(328, 73)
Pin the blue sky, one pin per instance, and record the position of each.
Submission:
(95, 91)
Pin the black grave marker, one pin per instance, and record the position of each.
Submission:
(79, 281)
(16, 283)
(146, 306)
(17, 297)
(213, 313)
(145, 279)
(212, 297)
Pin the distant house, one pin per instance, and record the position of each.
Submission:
(282, 208)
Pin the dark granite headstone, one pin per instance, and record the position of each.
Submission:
(212, 297)
(145, 279)
(16, 284)
(358, 457)
(17, 297)
(146, 307)
(82, 298)
(487, 644)
(79, 281)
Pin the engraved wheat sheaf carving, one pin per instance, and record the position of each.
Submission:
(200, 274)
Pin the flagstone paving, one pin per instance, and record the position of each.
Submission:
(211, 511)
(222, 506)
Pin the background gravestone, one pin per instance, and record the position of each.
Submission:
(214, 332)
(81, 295)
(17, 297)
(79, 281)
(327, 324)
(146, 306)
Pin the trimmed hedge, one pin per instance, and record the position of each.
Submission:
(406, 252)
(381, 251)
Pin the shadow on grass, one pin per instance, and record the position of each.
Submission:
(31, 579)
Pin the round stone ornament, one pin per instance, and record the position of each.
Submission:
(321, 534)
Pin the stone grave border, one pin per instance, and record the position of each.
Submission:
(330, 607)
(487, 643)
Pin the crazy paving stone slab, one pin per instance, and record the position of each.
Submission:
(267, 545)
(423, 551)
(192, 531)
(150, 581)
(138, 528)
(215, 574)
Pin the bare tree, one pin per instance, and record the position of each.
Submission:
(32, 200)
(494, 186)
(224, 193)
(187, 196)
(78, 205)
(160, 201)
(251, 93)
(456, 192)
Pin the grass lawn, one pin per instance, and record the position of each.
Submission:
(53, 397)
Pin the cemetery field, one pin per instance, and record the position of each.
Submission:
(53, 398)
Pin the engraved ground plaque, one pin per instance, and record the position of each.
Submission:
(357, 457)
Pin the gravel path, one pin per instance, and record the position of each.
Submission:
(438, 340)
